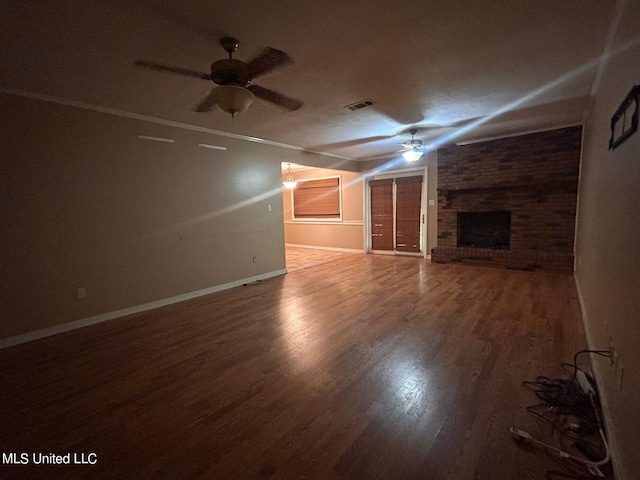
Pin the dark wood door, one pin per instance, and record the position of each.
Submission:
(396, 209)
(408, 211)
(381, 214)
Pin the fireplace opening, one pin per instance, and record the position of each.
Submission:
(484, 230)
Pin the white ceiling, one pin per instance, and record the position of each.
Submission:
(469, 69)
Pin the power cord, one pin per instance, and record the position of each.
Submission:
(572, 409)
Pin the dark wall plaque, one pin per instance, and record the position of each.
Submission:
(624, 122)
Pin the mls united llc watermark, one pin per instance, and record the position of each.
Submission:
(36, 458)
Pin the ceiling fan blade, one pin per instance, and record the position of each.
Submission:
(179, 70)
(356, 142)
(275, 97)
(426, 128)
(268, 59)
(393, 154)
(206, 104)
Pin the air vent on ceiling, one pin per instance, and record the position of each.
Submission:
(359, 105)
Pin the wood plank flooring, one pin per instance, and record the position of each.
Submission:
(358, 367)
(299, 258)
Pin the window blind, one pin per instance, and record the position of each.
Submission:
(317, 198)
(408, 202)
(381, 214)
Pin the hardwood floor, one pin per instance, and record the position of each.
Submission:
(299, 258)
(362, 367)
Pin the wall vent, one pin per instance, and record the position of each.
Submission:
(359, 105)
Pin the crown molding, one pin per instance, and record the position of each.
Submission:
(170, 123)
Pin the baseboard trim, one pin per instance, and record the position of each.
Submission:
(85, 322)
(611, 437)
(345, 223)
(383, 252)
(395, 253)
(332, 249)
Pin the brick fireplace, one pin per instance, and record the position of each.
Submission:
(532, 180)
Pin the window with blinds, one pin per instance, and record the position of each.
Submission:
(318, 198)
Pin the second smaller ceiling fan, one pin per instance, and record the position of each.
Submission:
(412, 149)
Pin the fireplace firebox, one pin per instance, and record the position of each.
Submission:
(484, 230)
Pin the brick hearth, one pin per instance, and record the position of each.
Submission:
(535, 177)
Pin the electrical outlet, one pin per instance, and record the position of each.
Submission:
(81, 293)
(254, 259)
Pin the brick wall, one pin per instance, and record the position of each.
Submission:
(535, 177)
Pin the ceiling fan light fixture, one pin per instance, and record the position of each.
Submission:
(236, 91)
(232, 99)
(289, 183)
(412, 155)
(412, 149)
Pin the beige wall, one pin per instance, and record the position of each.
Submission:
(85, 203)
(608, 244)
(346, 234)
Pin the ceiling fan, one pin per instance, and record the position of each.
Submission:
(235, 90)
(412, 149)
